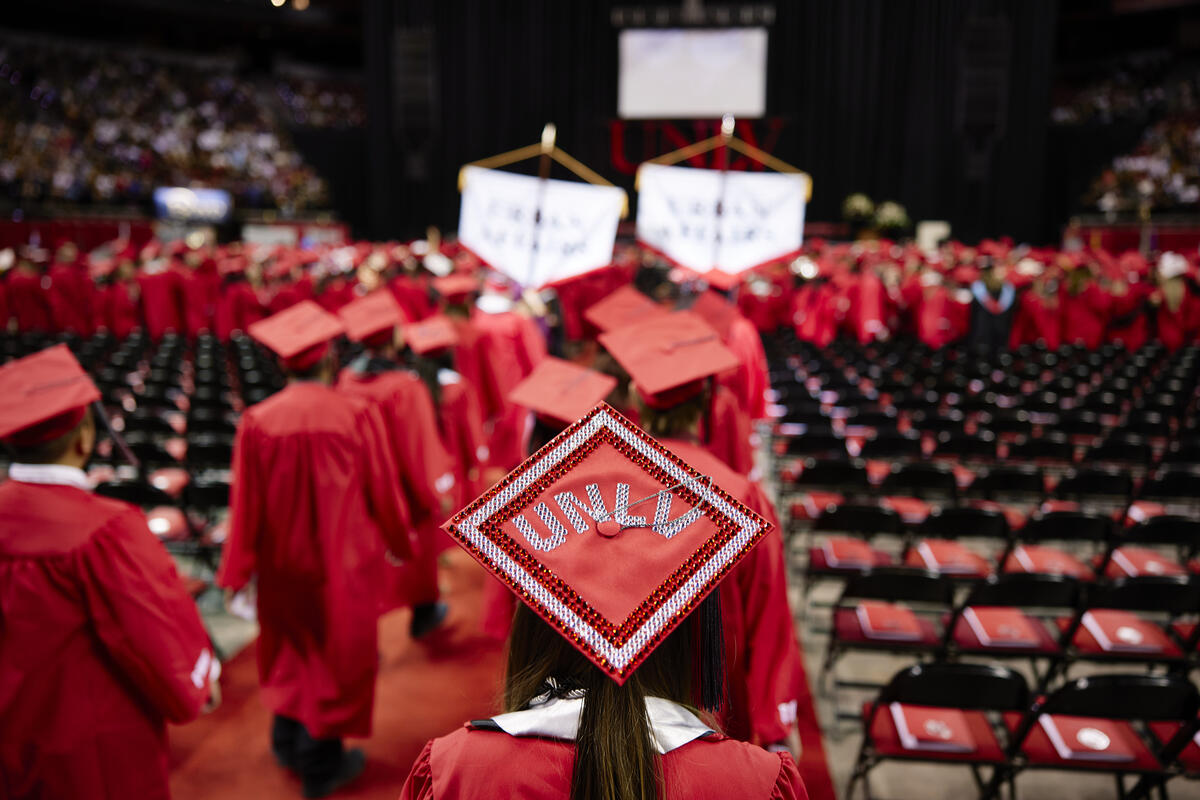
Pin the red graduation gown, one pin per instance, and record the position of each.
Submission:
(289, 294)
(1179, 327)
(28, 298)
(1129, 324)
(762, 654)
(201, 288)
(101, 647)
(726, 432)
(120, 308)
(426, 473)
(472, 763)
(239, 306)
(162, 302)
(1084, 316)
(749, 381)
(1035, 320)
(412, 296)
(814, 313)
(511, 345)
(72, 299)
(312, 506)
(460, 420)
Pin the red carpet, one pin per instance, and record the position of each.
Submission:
(424, 690)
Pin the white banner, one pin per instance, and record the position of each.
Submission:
(761, 216)
(576, 233)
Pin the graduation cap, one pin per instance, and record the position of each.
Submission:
(433, 333)
(609, 537)
(372, 319)
(561, 391)
(299, 335)
(43, 396)
(623, 307)
(455, 288)
(716, 311)
(669, 356)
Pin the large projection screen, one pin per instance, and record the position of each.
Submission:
(669, 73)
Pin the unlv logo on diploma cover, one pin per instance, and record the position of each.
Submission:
(609, 536)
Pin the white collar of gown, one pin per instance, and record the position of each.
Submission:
(671, 725)
(52, 474)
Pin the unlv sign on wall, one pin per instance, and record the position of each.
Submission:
(499, 223)
(706, 219)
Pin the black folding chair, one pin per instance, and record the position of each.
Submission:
(928, 595)
(925, 480)
(1113, 703)
(1005, 483)
(1039, 599)
(854, 522)
(950, 525)
(1037, 546)
(892, 445)
(1106, 490)
(1180, 535)
(973, 690)
(1154, 635)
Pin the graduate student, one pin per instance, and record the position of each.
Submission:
(100, 644)
(669, 359)
(313, 509)
(427, 474)
(616, 547)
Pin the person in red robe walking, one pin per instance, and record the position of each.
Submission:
(426, 471)
(120, 299)
(605, 663)
(431, 346)
(102, 645)
(1084, 308)
(71, 293)
(313, 504)
(28, 293)
(1176, 303)
(668, 359)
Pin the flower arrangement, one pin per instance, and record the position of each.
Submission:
(891, 218)
(857, 208)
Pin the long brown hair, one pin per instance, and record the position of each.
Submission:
(615, 757)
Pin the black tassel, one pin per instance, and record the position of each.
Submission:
(712, 654)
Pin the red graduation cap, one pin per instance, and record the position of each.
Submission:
(716, 311)
(609, 537)
(377, 313)
(300, 335)
(623, 307)
(561, 390)
(669, 355)
(432, 333)
(43, 396)
(456, 287)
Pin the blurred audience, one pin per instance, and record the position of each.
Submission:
(107, 127)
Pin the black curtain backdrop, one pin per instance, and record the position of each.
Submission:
(866, 95)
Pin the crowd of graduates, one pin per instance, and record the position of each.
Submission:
(995, 292)
(416, 379)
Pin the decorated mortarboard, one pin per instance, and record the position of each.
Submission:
(561, 390)
(609, 537)
(433, 333)
(455, 288)
(299, 335)
(623, 307)
(669, 355)
(43, 396)
(377, 313)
